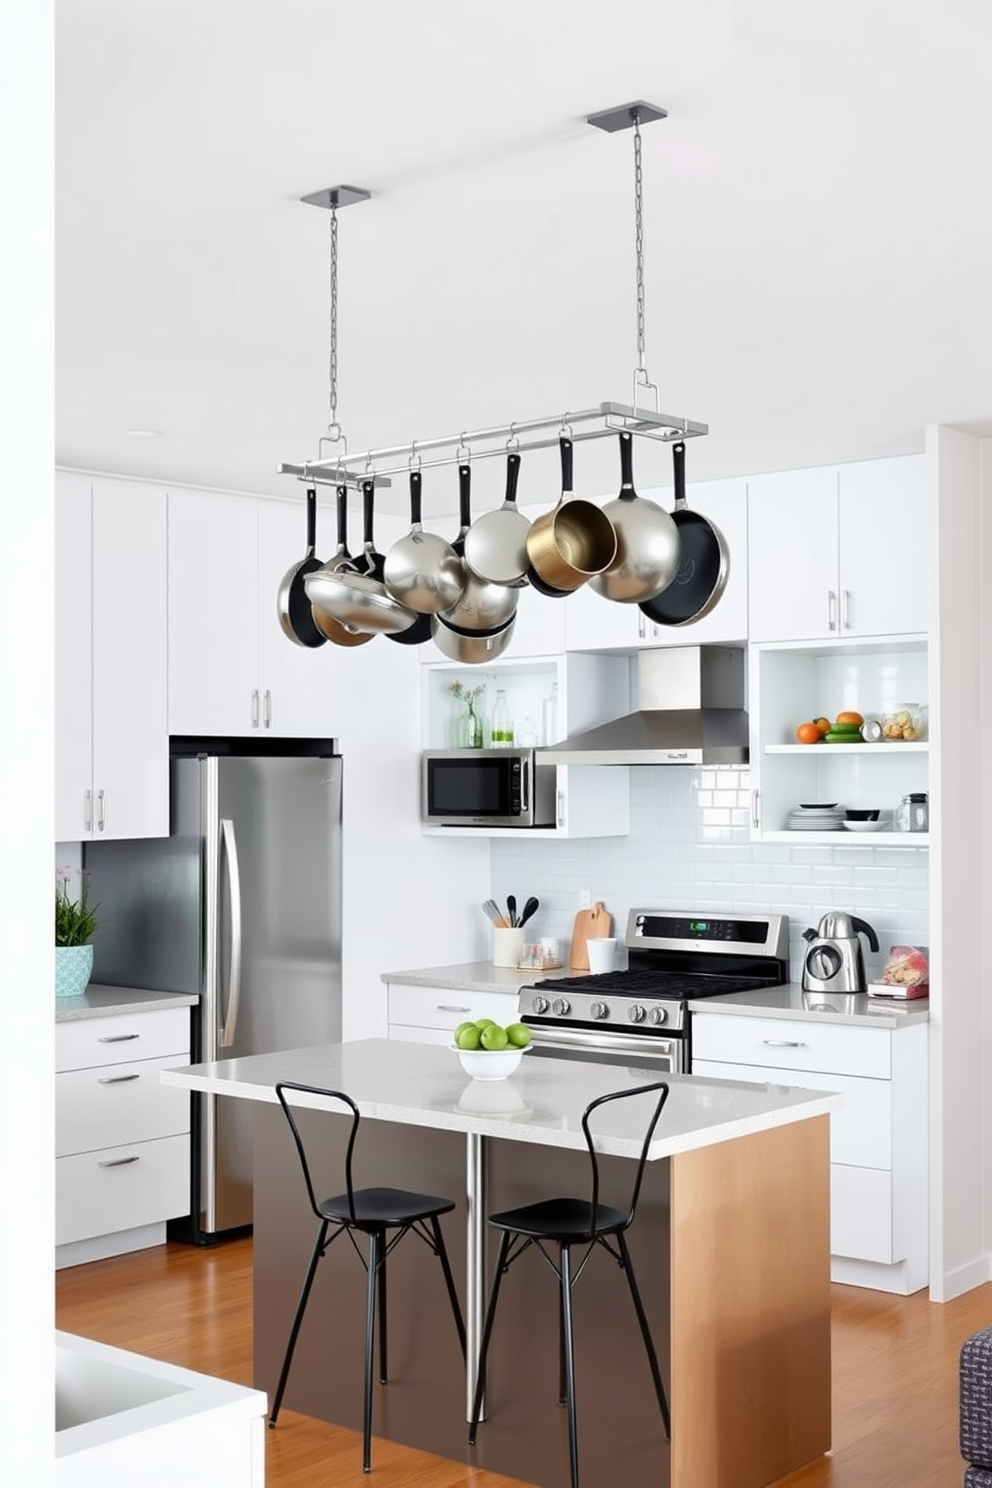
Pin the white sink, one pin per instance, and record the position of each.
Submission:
(122, 1419)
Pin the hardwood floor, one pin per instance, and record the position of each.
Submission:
(895, 1382)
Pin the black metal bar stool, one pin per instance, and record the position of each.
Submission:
(373, 1212)
(566, 1223)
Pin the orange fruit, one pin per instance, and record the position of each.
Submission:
(823, 724)
(808, 733)
(850, 717)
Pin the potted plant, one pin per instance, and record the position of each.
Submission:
(75, 925)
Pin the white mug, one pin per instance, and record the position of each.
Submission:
(602, 951)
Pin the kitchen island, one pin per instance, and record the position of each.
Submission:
(730, 1243)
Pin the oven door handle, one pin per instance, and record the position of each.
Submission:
(619, 1043)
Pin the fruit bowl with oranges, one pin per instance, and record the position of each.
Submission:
(488, 1051)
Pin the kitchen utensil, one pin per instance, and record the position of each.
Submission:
(648, 545)
(295, 615)
(483, 608)
(530, 908)
(359, 599)
(589, 923)
(833, 960)
(496, 543)
(470, 647)
(570, 543)
(511, 908)
(338, 634)
(419, 630)
(704, 564)
(422, 570)
(492, 909)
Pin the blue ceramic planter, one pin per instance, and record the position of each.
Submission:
(73, 969)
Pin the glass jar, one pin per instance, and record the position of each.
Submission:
(904, 723)
(501, 730)
(469, 727)
(913, 813)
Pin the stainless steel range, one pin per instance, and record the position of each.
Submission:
(639, 1015)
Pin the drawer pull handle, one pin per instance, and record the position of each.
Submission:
(118, 1162)
(446, 1007)
(783, 1044)
(116, 1079)
(118, 1038)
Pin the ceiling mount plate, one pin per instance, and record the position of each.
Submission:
(623, 117)
(336, 196)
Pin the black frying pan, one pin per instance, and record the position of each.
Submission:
(704, 566)
(295, 614)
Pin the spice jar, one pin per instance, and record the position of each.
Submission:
(913, 813)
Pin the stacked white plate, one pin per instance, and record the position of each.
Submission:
(828, 817)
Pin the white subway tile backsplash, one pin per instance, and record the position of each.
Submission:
(689, 846)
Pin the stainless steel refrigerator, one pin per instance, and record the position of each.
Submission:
(241, 903)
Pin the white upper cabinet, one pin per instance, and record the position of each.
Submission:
(112, 756)
(838, 551)
(593, 623)
(232, 669)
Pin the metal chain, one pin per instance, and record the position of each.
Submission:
(334, 428)
(639, 239)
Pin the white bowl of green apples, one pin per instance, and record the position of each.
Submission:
(489, 1051)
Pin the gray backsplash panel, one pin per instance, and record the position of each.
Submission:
(689, 847)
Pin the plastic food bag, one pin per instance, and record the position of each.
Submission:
(906, 974)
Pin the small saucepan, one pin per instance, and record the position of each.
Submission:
(704, 564)
(496, 543)
(471, 647)
(423, 571)
(570, 543)
(483, 607)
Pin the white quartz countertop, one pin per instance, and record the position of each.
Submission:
(790, 1001)
(424, 1085)
(102, 1002)
(474, 976)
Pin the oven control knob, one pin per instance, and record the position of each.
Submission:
(636, 1014)
(562, 1006)
(600, 1010)
(540, 1004)
(659, 1015)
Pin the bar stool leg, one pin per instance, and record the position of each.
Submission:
(374, 1262)
(487, 1330)
(301, 1307)
(562, 1387)
(383, 1358)
(659, 1388)
(449, 1280)
(565, 1264)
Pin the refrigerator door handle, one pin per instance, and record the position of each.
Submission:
(234, 978)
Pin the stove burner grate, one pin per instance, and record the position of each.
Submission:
(643, 982)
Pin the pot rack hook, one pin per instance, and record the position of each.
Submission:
(513, 442)
(463, 452)
(565, 431)
(338, 439)
(414, 461)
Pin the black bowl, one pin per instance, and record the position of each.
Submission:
(860, 815)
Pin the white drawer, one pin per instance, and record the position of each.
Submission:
(861, 1215)
(412, 1035)
(120, 1188)
(860, 1132)
(439, 1007)
(117, 1103)
(122, 1037)
(784, 1044)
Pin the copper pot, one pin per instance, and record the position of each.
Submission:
(573, 541)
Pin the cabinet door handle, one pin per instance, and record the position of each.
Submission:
(88, 810)
(845, 613)
(445, 1007)
(254, 707)
(561, 808)
(641, 632)
(783, 1044)
(831, 609)
(267, 716)
(116, 1079)
(101, 809)
(755, 812)
(118, 1162)
(118, 1038)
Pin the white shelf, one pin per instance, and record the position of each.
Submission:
(850, 839)
(879, 748)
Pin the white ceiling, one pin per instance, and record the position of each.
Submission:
(818, 228)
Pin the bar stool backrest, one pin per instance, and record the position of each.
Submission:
(659, 1085)
(345, 1100)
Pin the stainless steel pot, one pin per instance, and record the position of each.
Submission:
(469, 647)
(482, 606)
(648, 546)
(333, 630)
(570, 543)
(496, 543)
(422, 570)
(358, 599)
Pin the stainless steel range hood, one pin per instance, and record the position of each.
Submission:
(691, 712)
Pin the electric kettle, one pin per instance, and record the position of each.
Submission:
(833, 962)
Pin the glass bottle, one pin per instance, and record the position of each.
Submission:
(551, 715)
(469, 726)
(501, 730)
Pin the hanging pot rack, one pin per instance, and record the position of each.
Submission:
(607, 418)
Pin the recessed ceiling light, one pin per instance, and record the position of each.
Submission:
(142, 433)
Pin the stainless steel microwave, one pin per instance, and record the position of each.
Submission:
(487, 788)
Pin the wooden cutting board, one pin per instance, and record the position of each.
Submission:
(589, 923)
